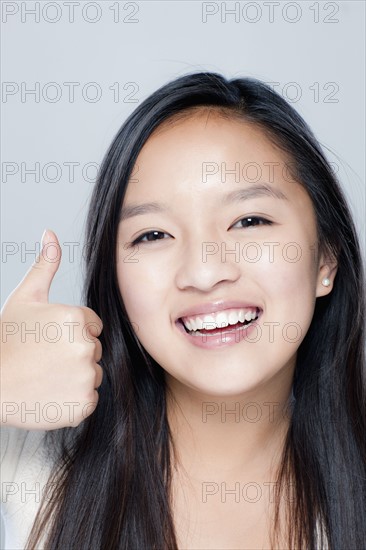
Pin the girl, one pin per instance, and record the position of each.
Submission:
(224, 350)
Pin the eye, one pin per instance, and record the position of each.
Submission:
(150, 236)
(252, 221)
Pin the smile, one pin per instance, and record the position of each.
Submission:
(221, 319)
(220, 329)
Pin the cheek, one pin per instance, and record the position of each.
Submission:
(143, 290)
(289, 286)
(284, 264)
(145, 293)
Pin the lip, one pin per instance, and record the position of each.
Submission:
(226, 337)
(214, 307)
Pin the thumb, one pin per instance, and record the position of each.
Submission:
(36, 283)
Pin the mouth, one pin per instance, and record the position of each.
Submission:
(218, 323)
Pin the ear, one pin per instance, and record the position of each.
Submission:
(327, 269)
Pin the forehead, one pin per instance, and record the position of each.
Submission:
(210, 131)
(203, 152)
(184, 144)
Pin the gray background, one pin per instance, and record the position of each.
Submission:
(315, 51)
(167, 40)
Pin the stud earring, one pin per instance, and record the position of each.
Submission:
(325, 281)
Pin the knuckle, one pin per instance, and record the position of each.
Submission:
(91, 403)
(83, 350)
(71, 314)
(92, 317)
(89, 378)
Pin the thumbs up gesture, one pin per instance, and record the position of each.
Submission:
(49, 352)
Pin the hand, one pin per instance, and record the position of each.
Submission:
(49, 352)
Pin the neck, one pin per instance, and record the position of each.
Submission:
(237, 435)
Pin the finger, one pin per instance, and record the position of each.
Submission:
(98, 375)
(98, 350)
(36, 284)
(93, 323)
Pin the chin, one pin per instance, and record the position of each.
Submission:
(224, 388)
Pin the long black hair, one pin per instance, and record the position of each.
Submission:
(113, 474)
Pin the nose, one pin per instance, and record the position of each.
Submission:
(205, 264)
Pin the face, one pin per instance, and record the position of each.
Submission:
(229, 238)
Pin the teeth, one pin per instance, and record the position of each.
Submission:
(221, 319)
(233, 318)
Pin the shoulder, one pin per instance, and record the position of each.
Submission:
(25, 470)
(18, 448)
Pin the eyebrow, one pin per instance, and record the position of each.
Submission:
(254, 191)
(239, 195)
(139, 209)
